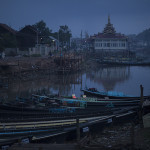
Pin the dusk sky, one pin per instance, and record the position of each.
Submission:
(127, 16)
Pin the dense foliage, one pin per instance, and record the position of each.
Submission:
(63, 35)
(43, 31)
(144, 36)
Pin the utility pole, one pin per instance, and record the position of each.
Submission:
(141, 108)
(81, 40)
(59, 44)
(58, 39)
(77, 130)
(37, 39)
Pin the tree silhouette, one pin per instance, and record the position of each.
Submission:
(43, 31)
(64, 36)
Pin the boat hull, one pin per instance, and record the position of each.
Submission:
(101, 95)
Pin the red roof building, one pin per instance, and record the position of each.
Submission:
(109, 40)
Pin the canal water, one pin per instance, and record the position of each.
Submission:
(125, 79)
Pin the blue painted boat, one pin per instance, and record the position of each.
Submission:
(93, 92)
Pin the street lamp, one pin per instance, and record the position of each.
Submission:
(53, 44)
(41, 41)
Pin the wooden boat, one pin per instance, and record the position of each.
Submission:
(22, 108)
(93, 103)
(113, 103)
(42, 130)
(96, 102)
(93, 92)
(42, 105)
(67, 107)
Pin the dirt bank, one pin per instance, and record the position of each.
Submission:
(120, 137)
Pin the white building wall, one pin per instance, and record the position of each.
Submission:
(113, 44)
(41, 49)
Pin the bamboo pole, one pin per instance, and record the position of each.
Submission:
(78, 129)
(19, 69)
(141, 108)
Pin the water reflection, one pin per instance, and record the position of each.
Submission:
(121, 79)
(49, 84)
(110, 76)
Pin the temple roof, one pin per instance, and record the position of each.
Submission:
(109, 36)
(109, 32)
(109, 29)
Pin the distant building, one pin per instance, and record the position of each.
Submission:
(76, 43)
(27, 41)
(80, 44)
(27, 37)
(109, 40)
(7, 40)
(40, 49)
(6, 29)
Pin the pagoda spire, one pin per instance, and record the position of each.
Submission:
(109, 29)
(108, 19)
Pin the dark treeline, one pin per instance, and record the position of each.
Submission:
(9, 38)
(144, 36)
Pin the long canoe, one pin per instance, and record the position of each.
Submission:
(111, 95)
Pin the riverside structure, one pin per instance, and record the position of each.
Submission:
(109, 40)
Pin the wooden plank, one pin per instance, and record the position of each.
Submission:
(39, 125)
(44, 147)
